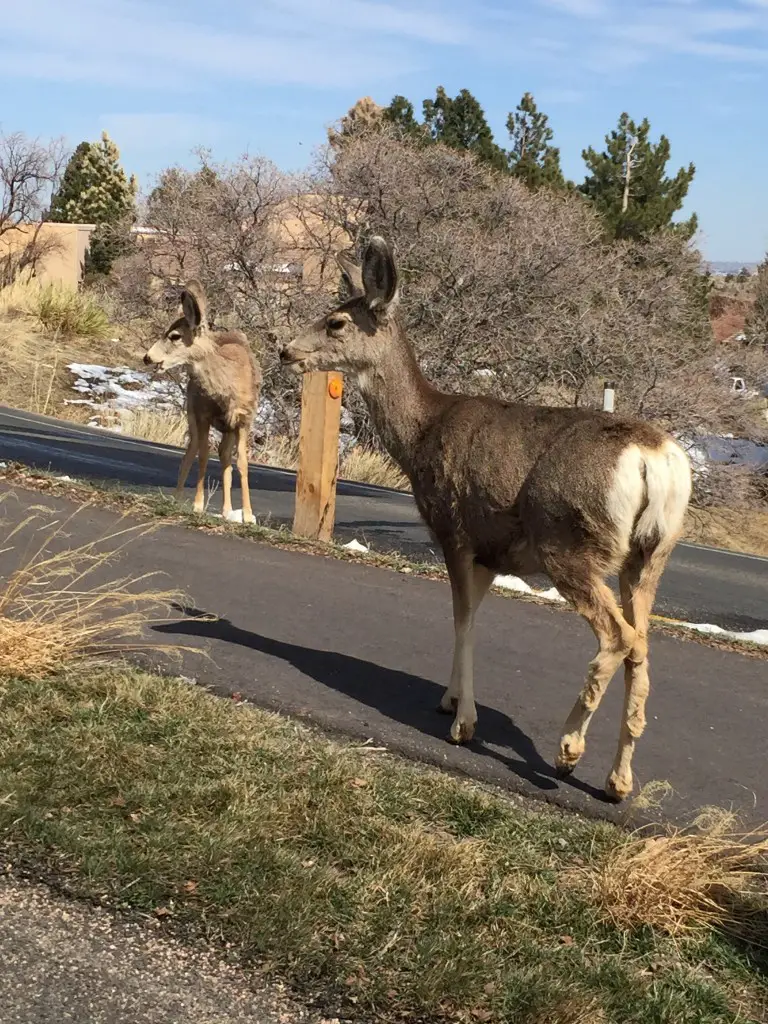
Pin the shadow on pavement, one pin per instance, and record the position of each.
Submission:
(399, 696)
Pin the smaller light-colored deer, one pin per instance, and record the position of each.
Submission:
(222, 392)
(507, 488)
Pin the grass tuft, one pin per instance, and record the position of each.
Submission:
(55, 309)
(707, 877)
(153, 425)
(54, 611)
(368, 466)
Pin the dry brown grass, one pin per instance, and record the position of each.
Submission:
(368, 466)
(52, 610)
(279, 451)
(33, 366)
(361, 464)
(708, 877)
(153, 425)
(744, 530)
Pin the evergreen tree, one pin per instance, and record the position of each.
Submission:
(460, 123)
(532, 159)
(744, 275)
(95, 190)
(628, 185)
(400, 112)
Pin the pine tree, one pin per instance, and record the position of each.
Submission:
(532, 159)
(95, 190)
(628, 185)
(460, 123)
(400, 113)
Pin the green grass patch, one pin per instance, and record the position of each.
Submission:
(394, 891)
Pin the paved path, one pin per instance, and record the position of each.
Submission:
(61, 961)
(367, 652)
(700, 584)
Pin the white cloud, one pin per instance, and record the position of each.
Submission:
(151, 46)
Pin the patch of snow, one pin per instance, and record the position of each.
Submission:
(355, 545)
(757, 636)
(237, 516)
(513, 583)
(519, 586)
(549, 595)
(65, 478)
(119, 389)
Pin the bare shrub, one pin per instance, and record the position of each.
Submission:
(29, 173)
(517, 293)
(229, 225)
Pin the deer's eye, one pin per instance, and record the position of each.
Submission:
(174, 336)
(337, 324)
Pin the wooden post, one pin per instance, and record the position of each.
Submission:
(609, 392)
(318, 456)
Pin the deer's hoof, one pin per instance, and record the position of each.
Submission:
(618, 789)
(563, 770)
(447, 705)
(462, 731)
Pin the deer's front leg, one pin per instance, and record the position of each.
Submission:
(469, 585)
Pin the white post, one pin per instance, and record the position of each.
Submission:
(608, 395)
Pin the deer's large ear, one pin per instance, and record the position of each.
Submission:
(379, 276)
(193, 304)
(351, 274)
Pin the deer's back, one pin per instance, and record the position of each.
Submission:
(224, 388)
(486, 471)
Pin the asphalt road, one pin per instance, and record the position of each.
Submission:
(366, 652)
(700, 584)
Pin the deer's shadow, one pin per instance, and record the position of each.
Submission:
(400, 696)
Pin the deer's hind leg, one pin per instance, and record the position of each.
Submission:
(594, 600)
(242, 468)
(226, 450)
(638, 580)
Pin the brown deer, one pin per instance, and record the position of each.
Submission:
(222, 392)
(508, 488)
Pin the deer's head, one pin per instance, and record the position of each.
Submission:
(355, 334)
(177, 346)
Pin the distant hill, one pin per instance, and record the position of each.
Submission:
(726, 267)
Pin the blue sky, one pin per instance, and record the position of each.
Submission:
(268, 76)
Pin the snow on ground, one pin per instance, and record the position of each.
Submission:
(355, 545)
(757, 636)
(113, 390)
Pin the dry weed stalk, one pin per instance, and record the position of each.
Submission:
(709, 876)
(53, 613)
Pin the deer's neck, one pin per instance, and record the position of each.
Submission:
(401, 401)
(202, 362)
